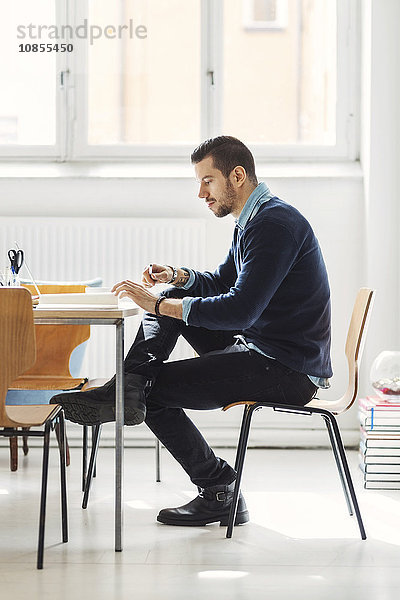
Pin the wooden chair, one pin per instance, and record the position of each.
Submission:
(327, 410)
(17, 355)
(51, 372)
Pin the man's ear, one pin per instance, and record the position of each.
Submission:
(239, 175)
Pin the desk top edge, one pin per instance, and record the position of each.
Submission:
(81, 313)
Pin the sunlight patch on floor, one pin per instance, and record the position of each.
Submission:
(222, 574)
(301, 515)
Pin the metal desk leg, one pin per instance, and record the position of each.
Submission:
(119, 434)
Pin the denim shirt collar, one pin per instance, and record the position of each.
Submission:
(259, 196)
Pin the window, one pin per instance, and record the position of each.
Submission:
(149, 87)
(291, 85)
(28, 99)
(148, 78)
(265, 14)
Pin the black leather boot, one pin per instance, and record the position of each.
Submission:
(210, 506)
(98, 405)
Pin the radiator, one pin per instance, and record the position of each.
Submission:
(71, 249)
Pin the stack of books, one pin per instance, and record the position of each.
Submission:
(379, 443)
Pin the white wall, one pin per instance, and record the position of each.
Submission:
(380, 156)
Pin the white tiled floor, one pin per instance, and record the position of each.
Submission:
(301, 542)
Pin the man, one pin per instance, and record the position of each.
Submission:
(260, 324)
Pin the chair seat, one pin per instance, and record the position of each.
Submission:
(33, 415)
(248, 402)
(46, 382)
(324, 405)
(315, 403)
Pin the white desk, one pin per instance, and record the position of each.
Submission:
(101, 316)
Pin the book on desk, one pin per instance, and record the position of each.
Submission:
(95, 299)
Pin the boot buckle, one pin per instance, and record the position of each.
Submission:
(220, 496)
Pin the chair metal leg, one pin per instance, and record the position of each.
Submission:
(57, 431)
(62, 448)
(92, 462)
(95, 462)
(43, 495)
(67, 455)
(239, 463)
(158, 460)
(339, 465)
(84, 456)
(342, 454)
(244, 418)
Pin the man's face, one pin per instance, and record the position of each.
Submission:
(218, 192)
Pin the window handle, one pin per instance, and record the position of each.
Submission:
(63, 75)
(211, 74)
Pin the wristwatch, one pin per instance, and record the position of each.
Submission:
(174, 274)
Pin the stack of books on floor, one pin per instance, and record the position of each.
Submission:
(379, 443)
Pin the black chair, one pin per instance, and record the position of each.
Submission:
(327, 410)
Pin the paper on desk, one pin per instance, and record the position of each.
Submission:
(77, 307)
(103, 299)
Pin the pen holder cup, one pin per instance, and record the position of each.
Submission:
(11, 278)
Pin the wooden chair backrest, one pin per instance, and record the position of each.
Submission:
(54, 346)
(17, 340)
(354, 347)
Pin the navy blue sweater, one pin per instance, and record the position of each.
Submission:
(272, 286)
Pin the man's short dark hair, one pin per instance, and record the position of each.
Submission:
(227, 152)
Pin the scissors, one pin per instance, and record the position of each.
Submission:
(16, 259)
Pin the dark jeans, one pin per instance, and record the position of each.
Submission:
(226, 371)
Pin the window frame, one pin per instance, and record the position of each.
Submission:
(71, 98)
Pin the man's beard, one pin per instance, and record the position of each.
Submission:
(227, 203)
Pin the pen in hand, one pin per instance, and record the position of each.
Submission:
(151, 272)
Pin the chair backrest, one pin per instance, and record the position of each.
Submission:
(55, 343)
(354, 347)
(17, 341)
(54, 346)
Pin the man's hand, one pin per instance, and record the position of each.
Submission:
(137, 293)
(170, 307)
(154, 273)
